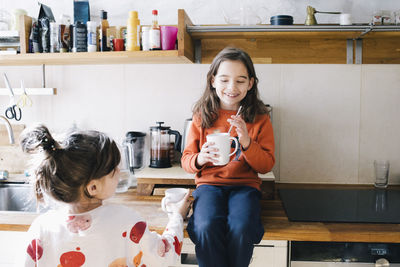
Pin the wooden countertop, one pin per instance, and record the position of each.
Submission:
(276, 224)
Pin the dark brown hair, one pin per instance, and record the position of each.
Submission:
(208, 105)
(63, 169)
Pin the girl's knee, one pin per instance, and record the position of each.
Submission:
(209, 226)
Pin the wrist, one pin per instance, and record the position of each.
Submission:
(246, 145)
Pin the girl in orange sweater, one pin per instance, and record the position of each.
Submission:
(226, 221)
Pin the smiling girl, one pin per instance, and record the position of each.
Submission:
(226, 222)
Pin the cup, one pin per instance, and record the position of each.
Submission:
(381, 168)
(168, 37)
(345, 19)
(172, 197)
(124, 181)
(223, 144)
(118, 44)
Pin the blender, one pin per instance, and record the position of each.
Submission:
(132, 158)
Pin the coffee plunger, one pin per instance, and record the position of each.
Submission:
(160, 145)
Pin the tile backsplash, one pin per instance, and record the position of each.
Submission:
(330, 121)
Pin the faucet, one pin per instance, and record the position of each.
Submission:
(9, 129)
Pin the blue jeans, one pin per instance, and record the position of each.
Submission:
(225, 225)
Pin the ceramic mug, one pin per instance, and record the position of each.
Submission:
(172, 197)
(222, 141)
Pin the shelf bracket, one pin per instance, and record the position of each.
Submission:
(349, 52)
(197, 51)
(359, 51)
(32, 91)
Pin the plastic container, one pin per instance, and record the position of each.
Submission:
(281, 20)
(133, 32)
(79, 37)
(168, 37)
(91, 36)
(54, 43)
(145, 38)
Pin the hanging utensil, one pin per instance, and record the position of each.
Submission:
(12, 112)
(24, 100)
(311, 20)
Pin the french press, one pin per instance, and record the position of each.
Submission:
(160, 145)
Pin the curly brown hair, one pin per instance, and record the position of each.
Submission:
(63, 169)
(208, 105)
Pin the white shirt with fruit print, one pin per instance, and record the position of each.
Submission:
(110, 235)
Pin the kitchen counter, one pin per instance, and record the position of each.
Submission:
(276, 224)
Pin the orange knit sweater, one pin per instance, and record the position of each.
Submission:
(245, 165)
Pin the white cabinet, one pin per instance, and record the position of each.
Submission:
(11, 246)
(268, 253)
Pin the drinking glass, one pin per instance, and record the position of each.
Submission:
(381, 168)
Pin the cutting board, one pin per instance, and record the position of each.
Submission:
(12, 158)
(17, 129)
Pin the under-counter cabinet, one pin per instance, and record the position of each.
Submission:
(10, 247)
(268, 253)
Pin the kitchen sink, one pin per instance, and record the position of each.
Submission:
(17, 197)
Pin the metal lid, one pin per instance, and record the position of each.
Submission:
(159, 127)
(135, 134)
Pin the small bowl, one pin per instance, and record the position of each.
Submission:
(281, 20)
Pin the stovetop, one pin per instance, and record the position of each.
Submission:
(342, 205)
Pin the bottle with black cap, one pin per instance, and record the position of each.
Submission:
(103, 31)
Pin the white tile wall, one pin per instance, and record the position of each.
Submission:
(380, 120)
(319, 123)
(330, 121)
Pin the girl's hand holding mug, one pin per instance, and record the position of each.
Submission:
(241, 130)
(208, 153)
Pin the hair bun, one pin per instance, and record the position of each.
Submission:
(48, 144)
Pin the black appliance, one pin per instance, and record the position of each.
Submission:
(342, 205)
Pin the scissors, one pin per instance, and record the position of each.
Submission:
(12, 112)
(24, 100)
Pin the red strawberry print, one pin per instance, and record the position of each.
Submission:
(72, 259)
(35, 250)
(137, 232)
(178, 246)
(124, 234)
(167, 245)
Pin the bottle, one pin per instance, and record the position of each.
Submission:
(103, 31)
(154, 39)
(54, 31)
(91, 36)
(79, 37)
(132, 32)
(145, 38)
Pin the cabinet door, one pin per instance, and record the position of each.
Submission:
(269, 254)
(11, 250)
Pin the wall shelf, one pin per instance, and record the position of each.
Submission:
(326, 44)
(120, 57)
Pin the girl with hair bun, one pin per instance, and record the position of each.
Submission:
(81, 172)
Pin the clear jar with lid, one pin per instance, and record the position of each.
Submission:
(145, 38)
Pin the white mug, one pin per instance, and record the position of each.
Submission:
(172, 197)
(223, 143)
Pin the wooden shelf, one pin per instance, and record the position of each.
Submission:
(326, 44)
(179, 56)
(120, 57)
